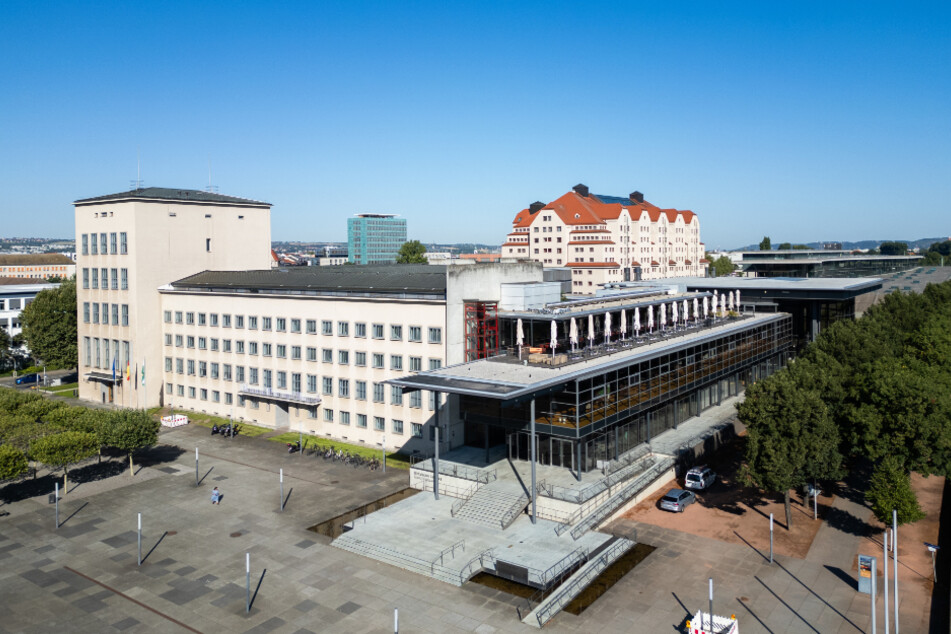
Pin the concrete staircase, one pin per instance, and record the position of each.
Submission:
(577, 582)
(494, 505)
(456, 571)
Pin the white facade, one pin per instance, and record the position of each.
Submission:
(130, 244)
(13, 299)
(607, 239)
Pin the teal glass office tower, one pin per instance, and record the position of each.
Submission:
(375, 238)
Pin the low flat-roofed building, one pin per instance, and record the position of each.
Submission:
(822, 263)
(37, 266)
(15, 294)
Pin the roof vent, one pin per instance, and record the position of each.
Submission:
(535, 207)
(581, 190)
(637, 197)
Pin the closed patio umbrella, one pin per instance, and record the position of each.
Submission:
(713, 307)
(519, 337)
(737, 300)
(590, 330)
(637, 321)
(722, 303)
(573, 333)
(607, 327)
(623, 323)
(554, 337)
(696, 309)
(729, 300)
(706, 307)
(650, 318)
(663, 316)
(673, 313)
(686, 311)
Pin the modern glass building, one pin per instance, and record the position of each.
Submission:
(375, 238)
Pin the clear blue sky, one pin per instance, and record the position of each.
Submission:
(801, 121)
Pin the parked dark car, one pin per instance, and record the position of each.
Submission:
(26, 379)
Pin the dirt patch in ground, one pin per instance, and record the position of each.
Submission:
(737, 514)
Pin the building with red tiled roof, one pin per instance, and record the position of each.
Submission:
(607, 239)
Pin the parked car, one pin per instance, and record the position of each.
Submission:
(677, 500)
(28, 378)
(700, 478)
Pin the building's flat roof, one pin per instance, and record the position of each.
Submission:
(24, 284)
(493, 379)
(833, 258)
(373, 278)
(166, 194)
(780, 283)
(33, 259)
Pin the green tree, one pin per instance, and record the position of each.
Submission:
(723, 265)
(12, 462)
(890, 488)
(129, 430)
(49, 325)
(412, 252)
(785, 246)
(765, 244)
(61, 450)
(893, 248)
(791, 439)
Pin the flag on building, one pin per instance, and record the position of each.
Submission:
(143, 374)
(135, 384)
(128, 371)
(113, 371)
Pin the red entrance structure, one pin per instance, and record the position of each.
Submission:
(482, 329)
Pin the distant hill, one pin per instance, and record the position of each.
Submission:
(922, 244)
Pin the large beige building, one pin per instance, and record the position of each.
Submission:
(605, 239)
(37, 266)
(310, 348)
(129, 244)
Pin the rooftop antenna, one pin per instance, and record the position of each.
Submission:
(137, 183)
(211, 189)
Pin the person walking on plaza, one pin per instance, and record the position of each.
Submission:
(215, 496)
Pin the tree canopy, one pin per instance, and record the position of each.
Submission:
(49, 325)
(765, 244)
(12, 462)
(412, 252)
(893, 248)
(723, 265)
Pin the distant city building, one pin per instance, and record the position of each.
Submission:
(832, 246)
(130, 244)
(37, 265)
(439, 257)
(481, 257)
(822, 263)
(606, 239)
(375, 238)
(15, 294)
(329, 256)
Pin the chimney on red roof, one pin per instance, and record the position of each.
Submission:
(637, 197)
(581, 190)
(535, 207)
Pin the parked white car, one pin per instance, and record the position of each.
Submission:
(699, 478)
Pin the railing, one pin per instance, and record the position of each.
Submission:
(279, 395)
(458, 504)
(418, 563)
(550, 577)
(451, 490)
(447, 550)
(468, 571)
(483, 476)
(580, 496)
(629, 458)
(619, 498)
(564, 595)
(514, 511)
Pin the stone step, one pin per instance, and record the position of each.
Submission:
(400, 560)
(488, 506)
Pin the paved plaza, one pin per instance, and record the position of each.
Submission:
(83, 577)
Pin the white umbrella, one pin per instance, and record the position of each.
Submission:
(554, 337)
(706, 307)
(696, 309)
(623, 323)
(637, 320)
(519, 337)
(729, 299)
(607, 327)
(573, 336)
(686, 311)
(673, 313)
(722, 303)
(713, 307)
(650, 318)
(590, 330)
(663, 316)
(737, 300)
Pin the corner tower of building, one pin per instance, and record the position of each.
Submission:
(129, 244)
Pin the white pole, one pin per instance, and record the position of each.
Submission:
(711, 605)
(56, 493)
(396, 620)
(873, 595)
(770, 538)
(885, 576)
(895, 563)
(140, 539)
(384, 454)
(196, 466)
(247, 568)
(815, 501)
(282, 490)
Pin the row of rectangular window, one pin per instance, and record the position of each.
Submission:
(91, 314)
(119, 277)
(106, 244)
(99, 353)
(280, 324)
(281, 352)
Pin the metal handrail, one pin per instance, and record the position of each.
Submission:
(449, 549)
(549, 576)
(475, 474)
(467, 572)
(458, 504)
(514, 511)
(554, 603)
(422, 564)
(580, 496)
(566, 564)
(619, 498)
(629, 457)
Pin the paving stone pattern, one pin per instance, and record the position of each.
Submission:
(194, 571)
